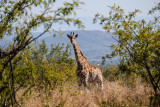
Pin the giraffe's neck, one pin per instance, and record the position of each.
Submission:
(78, 54)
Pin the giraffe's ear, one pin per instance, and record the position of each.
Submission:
(76, 35)
(68, 35)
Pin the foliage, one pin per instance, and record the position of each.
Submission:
(40, 68)
(19, 19)
(118, 73)
(138, 44)
(46, 68)
(155, 10)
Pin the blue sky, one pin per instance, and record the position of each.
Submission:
(87, 12)
(101, 6)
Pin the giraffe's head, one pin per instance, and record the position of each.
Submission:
(72, 36)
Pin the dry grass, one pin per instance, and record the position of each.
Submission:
(115, 95)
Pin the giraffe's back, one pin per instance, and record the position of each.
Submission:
(95, 74)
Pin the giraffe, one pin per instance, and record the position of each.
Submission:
(87, 73)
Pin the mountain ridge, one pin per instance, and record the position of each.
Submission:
(93, 43)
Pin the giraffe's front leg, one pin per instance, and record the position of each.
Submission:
(86, 80)
(80, 79)
(80, 83)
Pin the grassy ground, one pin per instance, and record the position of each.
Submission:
(115, 95)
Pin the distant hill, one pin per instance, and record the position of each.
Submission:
(94, 44)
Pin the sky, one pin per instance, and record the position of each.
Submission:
(101, 6)
(87, 12)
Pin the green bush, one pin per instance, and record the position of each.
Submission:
(122, 73)
(40, 68)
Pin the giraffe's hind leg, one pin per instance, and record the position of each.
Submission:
(100, 82)
(101, 85)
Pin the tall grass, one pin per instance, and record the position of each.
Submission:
(114, 95)
(120, 90)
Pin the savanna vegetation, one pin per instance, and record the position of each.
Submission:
(19, 60)
(33, 74)
(138, 44)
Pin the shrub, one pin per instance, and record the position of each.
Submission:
(40, 68)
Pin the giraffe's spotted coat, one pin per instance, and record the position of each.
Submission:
(87, 73)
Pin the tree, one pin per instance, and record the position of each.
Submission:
(138, 44)
(18, 20)
(155, 10)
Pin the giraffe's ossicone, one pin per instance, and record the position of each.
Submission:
(87, 73)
